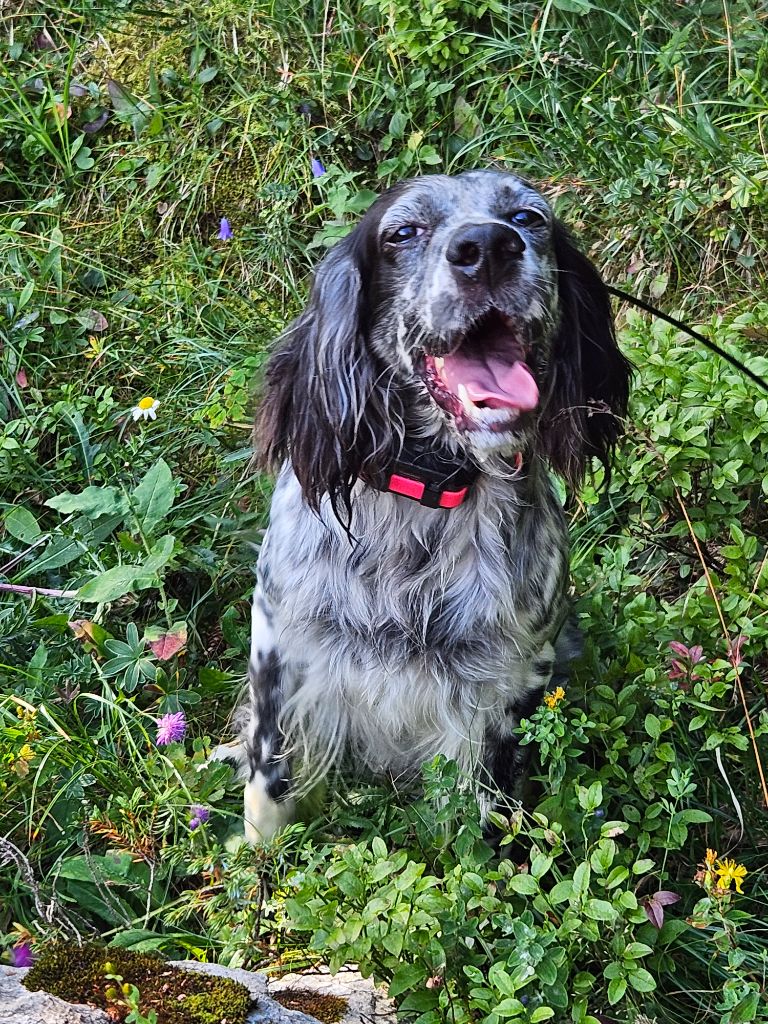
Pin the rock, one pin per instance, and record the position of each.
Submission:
(365, 1003)
(18, 1006)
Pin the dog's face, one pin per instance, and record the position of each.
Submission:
(463, 300)
(458, 311)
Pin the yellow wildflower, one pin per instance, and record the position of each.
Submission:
(729, 871)
(553, 699)
(710, 858)
(26, 752)
(95, 348)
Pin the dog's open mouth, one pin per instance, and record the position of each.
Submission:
(485, 383)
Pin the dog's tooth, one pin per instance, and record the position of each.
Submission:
(439, 363)
(464, 398)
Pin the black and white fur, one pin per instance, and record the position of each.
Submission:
(382, 629)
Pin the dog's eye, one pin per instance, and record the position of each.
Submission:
(526, 219)
(404, 233)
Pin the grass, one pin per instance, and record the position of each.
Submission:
(127, 134)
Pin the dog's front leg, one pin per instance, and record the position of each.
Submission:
(505, 760)
(267, 800)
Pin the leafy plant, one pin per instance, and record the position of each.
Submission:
(125, 544)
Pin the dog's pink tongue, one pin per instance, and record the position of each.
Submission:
(498, 385)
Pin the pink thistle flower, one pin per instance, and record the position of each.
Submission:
(22, 955)
(171, 728)
(199, 816)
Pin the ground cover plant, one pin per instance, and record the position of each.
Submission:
(168, 176)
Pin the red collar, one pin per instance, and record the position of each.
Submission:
(434, 479)
(426, 492)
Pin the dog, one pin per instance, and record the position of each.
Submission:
(456, 349)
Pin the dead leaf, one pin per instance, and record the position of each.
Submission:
(61, 113)
(82, 628)
(169, 644)
(91, 633)
(94, 321)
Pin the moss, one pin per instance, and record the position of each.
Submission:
(79, 974)
(235, 189)
(132, 50)
(328, 1009)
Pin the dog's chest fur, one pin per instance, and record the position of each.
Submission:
(426, 632)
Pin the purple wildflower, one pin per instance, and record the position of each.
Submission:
(225, 230)
(171, 728)
(199, 815)
(22, 955)
(317, 168)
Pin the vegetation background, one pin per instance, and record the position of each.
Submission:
(636, 888)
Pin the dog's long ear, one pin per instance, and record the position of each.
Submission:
(328, 405)
(589, 376)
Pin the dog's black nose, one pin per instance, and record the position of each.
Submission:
(484, 251)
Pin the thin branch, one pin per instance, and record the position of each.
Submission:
(17, 588)
(729, 647)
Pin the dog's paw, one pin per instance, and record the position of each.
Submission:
(262, 815)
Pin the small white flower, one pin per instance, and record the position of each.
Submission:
(146, 409)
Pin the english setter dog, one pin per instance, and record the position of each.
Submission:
(411, 586)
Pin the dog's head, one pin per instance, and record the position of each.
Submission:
(458, 311)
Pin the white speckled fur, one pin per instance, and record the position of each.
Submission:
(408, 631)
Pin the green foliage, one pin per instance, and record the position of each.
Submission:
(127, 136)
(556, 927)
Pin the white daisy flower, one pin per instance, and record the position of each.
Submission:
(146, 409)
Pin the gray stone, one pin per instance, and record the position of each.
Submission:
(255, 982)
(266, 1010)
(367, 1004)
(18, 1006)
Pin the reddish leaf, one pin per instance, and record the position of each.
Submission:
(654, 905)
(679, 649)
(168, 644)
(98, 122)
(94, 321)
(43, 41)
(21, 377)
(665, 897)
(654, 912)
